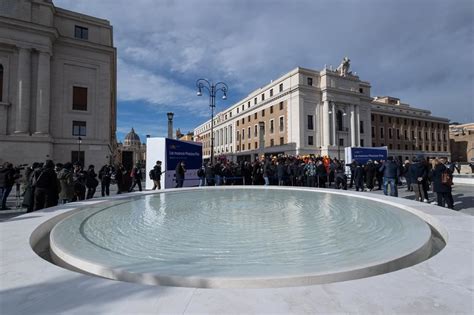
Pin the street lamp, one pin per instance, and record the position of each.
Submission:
(79, 141)
(212, 89)
(170, 125)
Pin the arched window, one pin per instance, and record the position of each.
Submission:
(339, 122)
(1, 83)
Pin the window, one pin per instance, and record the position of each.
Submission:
(262, 130)
(310, 81)
(237, 136)
(263, 113)
(413, 135)
(341, 142)
(310, 122)
(398, 146)
(237, 123)
(78, 157)
(282, 141)
(381, 133)
(372, 117)
(373, 132)
(281, 87)
(238, 147)
(281, 124)
(248, 118)
(255, 116)
(78, 128)
(248, 104)
(432, 136)
(248, 133)
(361, 142)
(405, 134)
(243, 106)
(243, 120)
(281, 105)
(389, 120)
(272, 142)
(81, 32)
(256, 145)
(1, 83)
(263, 97)
(390, 133)
(405, 121)
(361, 90)
(390, 146)
(272, 126)
(271, 92)
(230, 134)
(79, 98)
(243, 134)
(237, 110)
(381, 119)
(398, 120)
(419, 135)
(255, 131)
(361, 126)
(255, 101)
(310, 140)
(406, 146)
(271, 109)
(248, 145)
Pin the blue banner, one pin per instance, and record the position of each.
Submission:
(181, 151)
(362, 155)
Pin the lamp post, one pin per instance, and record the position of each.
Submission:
(79, 141)
(170, 125)
(212, 89)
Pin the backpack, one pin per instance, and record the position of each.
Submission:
(446, 178)
(152, 174)
(200, 172)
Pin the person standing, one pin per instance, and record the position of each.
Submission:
(136, 175)
(442, 182)
(391, 173)
(105, 175)
(418, 174)
(180, 171)
(91, 182)
(155, 175)
(370, 172)
(66, 182)
(79, 177)
(7, 179)
(45, 182)
(359, 176)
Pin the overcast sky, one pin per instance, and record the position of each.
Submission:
(419, 51)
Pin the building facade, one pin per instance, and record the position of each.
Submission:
(461, 138)
(58, 84)
(315, 112)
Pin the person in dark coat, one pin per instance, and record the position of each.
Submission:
(180, 171)
(91, 182)
(406, 174)
(155, 175)
(137, 176)
(7, 179)
(418, 174)
(79, 177)
(359, 176)
(443, 190)
(105, 175)
(370, 172)
(46, 186)
(391, 173)
(247, 173)
(29, 192)
(209, 173)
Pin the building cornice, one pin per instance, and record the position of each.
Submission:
(79, 17)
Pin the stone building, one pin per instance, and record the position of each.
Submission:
(318, 112)
(461, 138)
(131, 151)
(58, 84)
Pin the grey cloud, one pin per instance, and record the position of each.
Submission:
(419, 51)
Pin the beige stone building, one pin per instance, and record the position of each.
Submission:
(319, 112)
(461, 138)
(58, 84)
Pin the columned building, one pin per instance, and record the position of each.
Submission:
(57, 84)
(310, 112)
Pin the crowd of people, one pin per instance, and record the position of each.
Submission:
(46, 185)
(419, 175)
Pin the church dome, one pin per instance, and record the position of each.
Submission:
(132, 138)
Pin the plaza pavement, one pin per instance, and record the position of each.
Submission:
(463, 199)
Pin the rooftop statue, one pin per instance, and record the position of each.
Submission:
(343, 68)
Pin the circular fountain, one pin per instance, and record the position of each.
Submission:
(240, 237)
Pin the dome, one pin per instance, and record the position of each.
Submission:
(132, 138)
